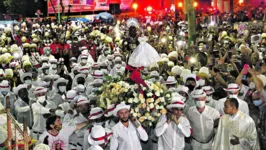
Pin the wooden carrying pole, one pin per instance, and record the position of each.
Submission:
(10, 120)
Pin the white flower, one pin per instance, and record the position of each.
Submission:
(142, 100)
(130, 100)
(144, 88)
(150, 118)
(136, 109)
(162, 99)
(136, 100)
(149, 94)
(161, 107)
(168, 95)
(123, 102)
(151, 105)
(135, 114)
(157, 107)
(157, 93)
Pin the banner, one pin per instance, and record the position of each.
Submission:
(87, 5)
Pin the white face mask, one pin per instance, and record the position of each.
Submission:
(233, 96)
(28, 82)
(41, 99)
(201, 82)
(208, 98)
(200, 104)
(252, 85)
(84, 61)
(62, 88)
(118, 66)
(53, 66)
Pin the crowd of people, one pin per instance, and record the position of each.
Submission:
(53, 76)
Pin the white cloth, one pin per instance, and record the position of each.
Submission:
(144, 55)
(38, 112)
(127, 138)
(60, 141)
(212, 103)
(203, 126)
(241, 126)
(172, 136)
(80, 133)
(95, 147)
(23, 110)
(243, 106)
(116, 71)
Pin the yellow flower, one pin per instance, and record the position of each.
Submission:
(151, 105)
(167, 95)
(144, 105)
(149, 94)
(135, 114)
(147, 115)
(142, 119)
(157, 93)
(150, 100)
(136, 100)
(157, 101)
(141, 96)
(130, 100)
(138, 114)
(163, 111)
(142, 100)
(136, 109)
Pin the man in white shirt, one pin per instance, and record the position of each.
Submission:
(232, 91)
(126, 133)
(173, 127)
(99, 138)
(57, 137)
(40, 109)
(209, 100)
(236, 130)
(202, 119)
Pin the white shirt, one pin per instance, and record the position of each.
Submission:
(59, 141)
(243, 106)
(202, 123)
(172, 136)
(38, 111)
(95, 147)
(127, 138)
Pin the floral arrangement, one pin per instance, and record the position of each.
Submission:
(146, 107)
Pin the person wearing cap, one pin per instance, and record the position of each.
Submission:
(83, 60)
(94, 86)
(104, 68)
(23, 105)
(203, 120)
(99, 138)
(251, 81)
(209, 100)
(155, 77)
(83, 110)
(79, 79)
(41, 109)
(171, 83)
(232, 92)
(128, 132)
(60, 87)
(236, 130)
(6, 93)
(118, 68)
(173, 127)
(103, 56)
(56, 136)
(110, 119)
(96, 119)
(35, 56)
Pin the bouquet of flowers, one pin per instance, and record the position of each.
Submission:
(148, 107)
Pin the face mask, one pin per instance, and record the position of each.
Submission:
(4, 92)
(200, 104)
(201, 82)
(84, 61)
(46, 71)
(28, 82)
(53, 66)
(41, 99)
(62, 88)
(233, 96)
(257, 102)
(251, 85)
(209, 98)
(118, 66)
(47, 53)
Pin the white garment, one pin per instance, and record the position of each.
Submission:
(144, 55)
(243, 106)
(212, 103)
(172, 136)
(65, 106)
(243, 91)
(23, 110)
(115, 71)
(127, 138)
(38, 112)
(80, 133)
(203, 126)
(241, 126)
(95, 147)
(102, 58)
(60, 141)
